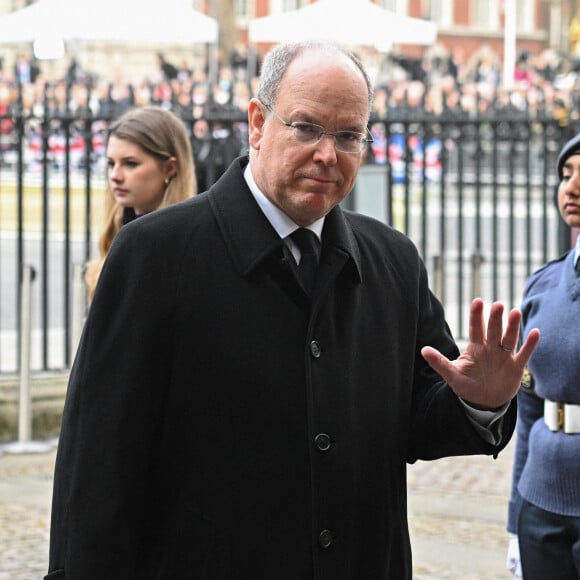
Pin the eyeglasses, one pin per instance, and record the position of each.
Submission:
(311, 134)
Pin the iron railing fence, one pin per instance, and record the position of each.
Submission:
(477, 197)
(474, 194)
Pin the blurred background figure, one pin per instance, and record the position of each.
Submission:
(169, 70)
(25, 69)
(149, 166)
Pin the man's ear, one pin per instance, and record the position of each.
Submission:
(256, 120)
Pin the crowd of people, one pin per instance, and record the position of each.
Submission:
(441, 84)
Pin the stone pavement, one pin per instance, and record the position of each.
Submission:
(25, 493)
(457, 515)
(457, 509)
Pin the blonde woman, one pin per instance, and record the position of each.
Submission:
(149, 166)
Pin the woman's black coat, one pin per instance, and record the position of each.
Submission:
(220, 427)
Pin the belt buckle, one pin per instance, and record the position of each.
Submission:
(560, 416)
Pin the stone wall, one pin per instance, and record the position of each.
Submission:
(48, 392)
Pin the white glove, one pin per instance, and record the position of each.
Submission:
(513, 563)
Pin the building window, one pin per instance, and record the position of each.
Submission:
(435, 10)
(441, 12)
(398, 6)
(288, 5)
(242, 9)
(280, 6)
(486, 14)
(525, 15)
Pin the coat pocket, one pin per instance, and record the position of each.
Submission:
(55, 575)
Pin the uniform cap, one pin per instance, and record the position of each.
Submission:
(569, 149)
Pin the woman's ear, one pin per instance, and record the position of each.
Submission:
(256, 121)
(171, 168)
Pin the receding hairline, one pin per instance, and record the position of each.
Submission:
(287, 54)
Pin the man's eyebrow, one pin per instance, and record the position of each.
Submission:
(305, 117)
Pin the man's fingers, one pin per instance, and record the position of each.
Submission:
(439, 363)
(528, 347)
(495, 325)
(509, 341)
(476, 322)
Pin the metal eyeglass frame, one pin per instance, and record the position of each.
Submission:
(363, 138)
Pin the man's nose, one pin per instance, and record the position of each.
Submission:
(326, 150)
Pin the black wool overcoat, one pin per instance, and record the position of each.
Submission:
(220, 426)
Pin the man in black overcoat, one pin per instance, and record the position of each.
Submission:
(226, 422)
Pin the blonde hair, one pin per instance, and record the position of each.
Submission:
(161, 134)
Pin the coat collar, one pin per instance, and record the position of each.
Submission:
(249, 236)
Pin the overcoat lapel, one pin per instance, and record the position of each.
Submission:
(252, 241)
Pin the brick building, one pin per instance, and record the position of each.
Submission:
(468, 24)
(465, 28)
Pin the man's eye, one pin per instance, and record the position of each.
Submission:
(348, 136)
(306, 128)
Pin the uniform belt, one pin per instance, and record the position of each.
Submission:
(562, 416)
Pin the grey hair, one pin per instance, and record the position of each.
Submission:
(280, 57)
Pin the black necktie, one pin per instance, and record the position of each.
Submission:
(578, 267)
(309, 246)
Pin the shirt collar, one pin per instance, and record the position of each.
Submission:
(281, 222)
(577, 250)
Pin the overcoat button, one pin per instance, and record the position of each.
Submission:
(325, 539)
(315, 349)
(322, 441)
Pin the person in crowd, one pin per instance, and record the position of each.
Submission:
(169, 70)
(184, 72)
(26, 69)
(523, 70)
(485, 67)
(544, 507)
(149, 166)
(259, 364)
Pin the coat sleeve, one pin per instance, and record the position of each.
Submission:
(440, 426)
(113, 405)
